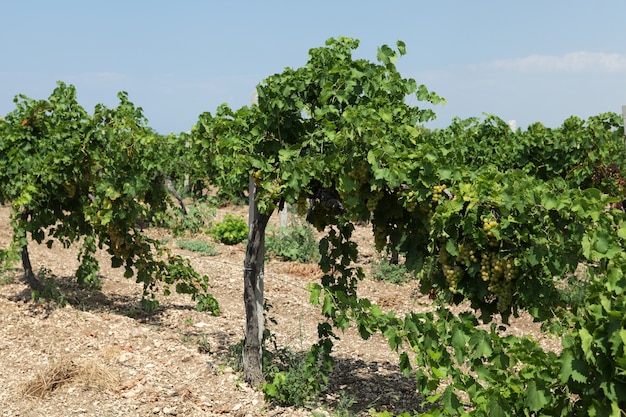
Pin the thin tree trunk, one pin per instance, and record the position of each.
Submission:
(253, 293)
(170, 187)
(29, 275)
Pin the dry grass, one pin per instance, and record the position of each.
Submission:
(310, 270)
(67, 372)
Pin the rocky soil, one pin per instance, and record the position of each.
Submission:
(100, 355)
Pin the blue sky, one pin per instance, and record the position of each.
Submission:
(532, 60)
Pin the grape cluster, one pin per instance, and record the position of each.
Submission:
(360, 173)
(467, 253)
(451, 270)
(372, 202)
(380, 237)
(302, 206)
(488, 226)
(410, 202)
(500, 274)
(437, 191)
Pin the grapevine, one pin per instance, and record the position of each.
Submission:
(60, 170)
(481, 213)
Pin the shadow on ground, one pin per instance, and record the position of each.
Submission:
(355, 387)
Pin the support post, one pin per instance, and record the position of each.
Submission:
(253, 288)
(624, 117)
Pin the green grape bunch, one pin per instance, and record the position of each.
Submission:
(438, 190)
(468, 254)
(451, 270)
(500, 275)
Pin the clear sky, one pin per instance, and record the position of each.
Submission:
(528, 60)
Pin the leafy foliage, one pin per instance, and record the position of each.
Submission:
(61, 170)
(383, 270)
(197, 245)
(231, 230)
(480, 212)
(295, 243)
(197, 218)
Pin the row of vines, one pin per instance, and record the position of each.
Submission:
(482, 214)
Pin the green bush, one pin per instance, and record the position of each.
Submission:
(295, 243)
(197, 245)
(231, 230)
(198, 217)
(385, 271)
(295, 380)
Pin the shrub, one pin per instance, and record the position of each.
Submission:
(385, 271)
(197, 245)
(295, 243)
(198, 217)
(231, 230)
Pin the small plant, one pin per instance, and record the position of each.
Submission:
(198, 217)
(343, 405)
(204, 346)
(392, 273)
(574, 290)
(295, 243)
(6, 277)
(197, 245)
(188, 321)
(49, 292)
(234, 359)
(207, 303)
(292, 379)
(230, 231)
(295, 380)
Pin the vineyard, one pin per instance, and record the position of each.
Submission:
(489, 224)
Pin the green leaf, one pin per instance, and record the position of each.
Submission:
(536, 397)
(451, 247)
(585, 343)
(573, 368)
(401, 47)
(451, 401)
(496, 410)
(116, 262)
(385, 115)
(405, 364)
(328, 306)
(315, 290)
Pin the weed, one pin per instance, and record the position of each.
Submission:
(6, 278)
(203, 343)
(198, 217)
(196, 245)
(235, 356)
(294, 243)
(231, 230)
(293, 379)
(49, 292)
(573, 291)
(343, 406)
(392, 273)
